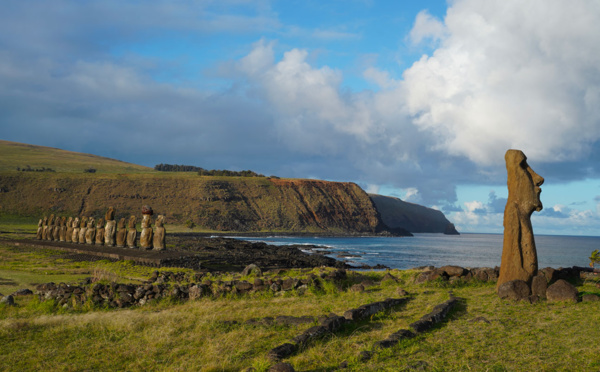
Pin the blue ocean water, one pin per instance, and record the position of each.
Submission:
(467, 250)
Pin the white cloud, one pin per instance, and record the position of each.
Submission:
(510, 74)
(426, 27)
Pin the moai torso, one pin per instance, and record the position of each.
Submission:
(110, 229)
(121, 236)
(75, 233)
(131, 232)
(44, 227)
(62, 236)
(159, 233)
(100, 231)
(69, 232)
(82, 230)
(40, 229)
(90, 232)
(50, 229)
(56, 229)
(146, 235)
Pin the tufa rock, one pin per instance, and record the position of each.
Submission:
(539, 285)
(121, 236)
(159, 233)
(515, 290)
(562, 291)
(131, 232)
(519, 256)
(282, 367)
(590, 298)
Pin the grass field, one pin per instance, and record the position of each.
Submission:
(485, 333)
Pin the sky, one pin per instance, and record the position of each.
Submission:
(414, 99)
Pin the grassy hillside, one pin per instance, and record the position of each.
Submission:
(14, 154)
(235, 204)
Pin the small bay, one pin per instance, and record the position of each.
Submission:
(467, 250)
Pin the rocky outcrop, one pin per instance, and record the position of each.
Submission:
(396, 213)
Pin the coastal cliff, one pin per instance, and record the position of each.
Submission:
(415, 218)
(235, 204)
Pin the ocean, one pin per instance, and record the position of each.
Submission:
(466, 250)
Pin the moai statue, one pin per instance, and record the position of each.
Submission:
(90, 231)
(146, 235)
(519, 256)
(44, 227)
(62, 234)
(82, 230)
(100, 231)
(56, 229)
(50, 228)
(131, 232)
(159, 233)
(122, 233)
(69, 232)
(110, 230)
(40, 229)
(75, 235)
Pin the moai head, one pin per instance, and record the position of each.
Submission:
(523, 183)
(45, 221)
(110, 214)
(70, 222)
(40, 222)
(121, 224)
(160, 219)
(132, 222)
(100, 222)
(83, 222)
(51, 220)
(91, 223)
(76, 222)
(63, 221)
(146, 209)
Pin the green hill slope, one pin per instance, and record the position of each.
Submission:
(15, 155)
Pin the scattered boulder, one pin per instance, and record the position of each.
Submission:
(252, 269)
(562, 291)
(453, 270)
(590, 298)
(282, 367)
(428, 276)
(9, 300)
(539, 285)
(22, 292)
(357, 288)
(515, 290)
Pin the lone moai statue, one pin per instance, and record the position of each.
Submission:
(159, 233)
(121, 233)
(75, 234)
(100, 231)
(519, 256)
(131, 232)
(82, 229)
(50, 228)
(40, 229)
(90, 231)
(146, 235)
(69, 232)
(110, 230)
(62, 234)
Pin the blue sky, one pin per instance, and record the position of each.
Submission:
(415, 99)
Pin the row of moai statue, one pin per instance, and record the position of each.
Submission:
(87, 230)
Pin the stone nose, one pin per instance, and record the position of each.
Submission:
(537, 179)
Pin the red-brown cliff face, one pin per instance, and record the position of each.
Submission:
(212, 203)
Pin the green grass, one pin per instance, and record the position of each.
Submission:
(195, 335)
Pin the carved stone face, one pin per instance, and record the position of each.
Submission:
(100, 222)
(110, 214)
(523, 183)
(132, 222)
